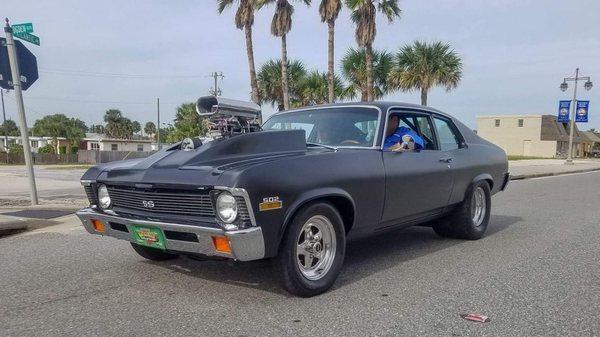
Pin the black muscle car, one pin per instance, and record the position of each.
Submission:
(299, 188)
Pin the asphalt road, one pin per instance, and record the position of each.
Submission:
(536, 273)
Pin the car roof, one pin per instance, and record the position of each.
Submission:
(383, 105)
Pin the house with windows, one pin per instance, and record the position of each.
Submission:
(35, 143)
(530, 135)
(101, 142)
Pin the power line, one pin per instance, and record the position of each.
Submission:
(115, 75)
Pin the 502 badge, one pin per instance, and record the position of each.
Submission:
(270, 203)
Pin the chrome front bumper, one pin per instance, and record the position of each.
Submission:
(246, 244)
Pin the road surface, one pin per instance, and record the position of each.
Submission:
(536, 273)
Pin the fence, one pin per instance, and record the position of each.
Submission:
(82, 156)
(38, 158)
(97, 157)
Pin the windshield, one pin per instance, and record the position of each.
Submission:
(340, 126)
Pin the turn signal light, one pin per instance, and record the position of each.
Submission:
(98, 226)
(221, 244)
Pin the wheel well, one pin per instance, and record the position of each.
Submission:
(490, 183)
(342, 204)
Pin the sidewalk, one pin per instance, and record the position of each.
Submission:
(532, 168)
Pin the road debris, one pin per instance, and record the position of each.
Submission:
(475, 318)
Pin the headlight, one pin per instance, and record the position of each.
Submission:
(103, 197)
(227, 207)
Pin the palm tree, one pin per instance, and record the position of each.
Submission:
(422, 66)
(271, 86)
(244, 19)
(280, 26)
(354, 71)
(329, 11)
(314, 88)
(363, 16)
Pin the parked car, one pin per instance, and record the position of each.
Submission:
(595, 153)
(299, 190)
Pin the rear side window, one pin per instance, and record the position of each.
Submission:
(449, 138)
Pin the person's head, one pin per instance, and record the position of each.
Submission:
(392, 125)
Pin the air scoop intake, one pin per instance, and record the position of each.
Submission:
(212, 106)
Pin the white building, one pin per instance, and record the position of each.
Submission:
(100, 142)
(34, 142)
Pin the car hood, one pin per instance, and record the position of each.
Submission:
(204, 165)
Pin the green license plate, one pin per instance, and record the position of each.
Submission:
(148, 236)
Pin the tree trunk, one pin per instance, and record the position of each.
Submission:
(330, 60)
(251, 66)
(284, 73)
(423, 96)
(369, 61)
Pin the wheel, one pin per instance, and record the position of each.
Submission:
(470, 219)
(153, 254)
(312, 250)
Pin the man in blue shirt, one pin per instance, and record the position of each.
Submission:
(401, 138)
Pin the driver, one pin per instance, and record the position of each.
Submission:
(401, 138)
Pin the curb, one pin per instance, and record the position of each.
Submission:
(550, 174)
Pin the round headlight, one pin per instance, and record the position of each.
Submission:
(227, 207)
(103, 197)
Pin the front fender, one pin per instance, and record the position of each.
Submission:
(309, 196)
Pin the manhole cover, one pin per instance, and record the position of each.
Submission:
(39, 213)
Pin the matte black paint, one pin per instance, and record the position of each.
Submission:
(377, 189)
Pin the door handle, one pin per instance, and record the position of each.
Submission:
(446, 160)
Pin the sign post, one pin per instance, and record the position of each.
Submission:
(14, 67)
(578, 107)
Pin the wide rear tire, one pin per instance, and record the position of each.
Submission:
(312, 250)
(470, 219)
(153, 254)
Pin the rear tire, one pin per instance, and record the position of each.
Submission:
(153, 254)
(470, 219)
(312, 250)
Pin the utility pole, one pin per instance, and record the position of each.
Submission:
(563, 87)
(215, 91)
(4, 118)
(158, 124)
(16, 82)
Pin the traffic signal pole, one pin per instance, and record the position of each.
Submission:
(16, 79)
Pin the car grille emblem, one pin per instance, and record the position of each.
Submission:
(148, 203)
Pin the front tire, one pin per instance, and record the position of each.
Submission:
(470, 219)
(312, 250)
(153, 254)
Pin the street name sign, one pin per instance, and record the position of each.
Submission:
(27, 66)
(28, 37)
(22, 28)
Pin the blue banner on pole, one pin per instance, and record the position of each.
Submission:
(581, 114)
(563, 111)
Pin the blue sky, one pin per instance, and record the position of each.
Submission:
(515, 53)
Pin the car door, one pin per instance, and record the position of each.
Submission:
(418, 184)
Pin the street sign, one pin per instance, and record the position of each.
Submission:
(27, 66)
(581, 113)
(563, 111)
(22, 28)
(28, 37)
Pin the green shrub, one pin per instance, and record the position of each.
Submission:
(15, 148)
(48, 148)
(74, 149)
(62, 149)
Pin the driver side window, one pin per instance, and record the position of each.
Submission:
(421, 125)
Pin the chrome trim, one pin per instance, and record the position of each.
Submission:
(237, 191)
(86, 182)
(246, 244)
(337, 107)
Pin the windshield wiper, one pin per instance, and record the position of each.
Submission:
(323, 146)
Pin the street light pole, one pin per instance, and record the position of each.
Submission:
(563, 87)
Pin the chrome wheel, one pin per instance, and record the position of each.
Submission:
(478, 206)
(315, 249)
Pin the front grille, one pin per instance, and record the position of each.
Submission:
(171, 202)
(243, 213)
(89, 191)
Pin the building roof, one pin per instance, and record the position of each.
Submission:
(99, 137)
(553, 130)
(592, 136)
(508, 116)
